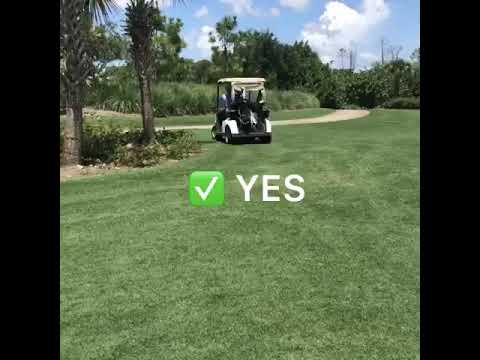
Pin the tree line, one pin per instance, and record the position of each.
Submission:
(286, 66)
(149, 46)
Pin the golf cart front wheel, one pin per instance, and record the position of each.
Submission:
(267, 139)
(215, 136)
(228, 136)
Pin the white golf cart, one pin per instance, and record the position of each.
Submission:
(241, 113)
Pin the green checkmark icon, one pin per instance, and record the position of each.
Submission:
(206, 188)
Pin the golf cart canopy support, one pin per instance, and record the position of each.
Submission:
(249, 84)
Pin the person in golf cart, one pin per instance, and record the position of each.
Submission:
(226, 103)
(257, 107)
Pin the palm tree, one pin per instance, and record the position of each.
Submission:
(143, 20)
(76, 18)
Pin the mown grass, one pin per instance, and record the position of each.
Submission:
(134, 120)
(146, 276)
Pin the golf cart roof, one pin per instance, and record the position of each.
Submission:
(246, 83)
(242, 80)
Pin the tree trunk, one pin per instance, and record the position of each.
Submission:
(382, 44)
(225, 54)
(77, 67)
(147, 111)
(396, 84)
(73, 134)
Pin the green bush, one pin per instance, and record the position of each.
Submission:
(370, 88)
(180, 144)
(332, 91)
(171, 144)
(101, 141)
(136, 155)
(171, 99)
(292, 100)
(125, 100)
(115, 89)
(402, 103)
(273, 102)
(106, 143)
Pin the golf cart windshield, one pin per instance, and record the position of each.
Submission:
(248, 87)
(253, 89)
(248, 84)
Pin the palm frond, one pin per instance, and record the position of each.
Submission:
(99, 10)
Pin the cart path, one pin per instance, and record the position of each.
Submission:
(338, 115)
(76, 171)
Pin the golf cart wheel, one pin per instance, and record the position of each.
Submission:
(228, 136)
(267, 140)
(215, 137)
(213, 131)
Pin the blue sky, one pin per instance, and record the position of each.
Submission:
(327, 25)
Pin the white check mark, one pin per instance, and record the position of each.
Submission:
(204, 194)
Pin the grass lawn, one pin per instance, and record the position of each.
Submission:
(146, 276)
(133, 120)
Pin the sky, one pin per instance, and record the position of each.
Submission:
(326, 25)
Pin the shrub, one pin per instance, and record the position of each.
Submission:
(402, 103)
(171, 144)
(293, 100)
(369, 88)
(273, 102)
(180, 144)
(106, 143)
(170, 99)
(101, 141)
(115, 88)
(124, 100)
(136, 155)
(332, 91)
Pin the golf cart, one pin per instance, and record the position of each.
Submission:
(241, 112)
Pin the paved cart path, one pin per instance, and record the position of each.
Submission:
(338, 115)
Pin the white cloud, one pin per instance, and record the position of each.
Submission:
(162, 4)
(340, 26)
(240, 7)
(274, 11)
(198, 42)
(203, 11)
(202, 42)
(368, 57)
(295, 4)
(122, 3)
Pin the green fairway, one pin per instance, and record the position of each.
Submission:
(133, 120)
(144, 275)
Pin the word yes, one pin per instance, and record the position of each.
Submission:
(267, 187)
